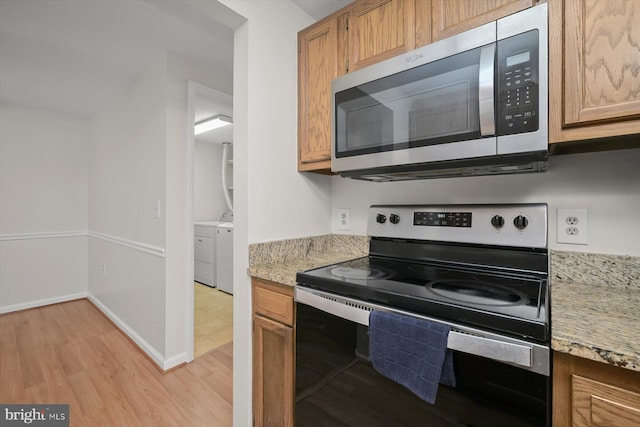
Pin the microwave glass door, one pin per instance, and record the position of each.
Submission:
(430, 104)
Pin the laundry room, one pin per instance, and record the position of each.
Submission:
(213, 218)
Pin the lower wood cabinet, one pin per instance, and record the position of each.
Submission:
(588, 393)
(273, 354)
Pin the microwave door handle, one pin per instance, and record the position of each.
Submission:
(485, 90)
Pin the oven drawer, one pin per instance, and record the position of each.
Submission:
(273, 301)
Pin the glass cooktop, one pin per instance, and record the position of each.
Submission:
(508, 302)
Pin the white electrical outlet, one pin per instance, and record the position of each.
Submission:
(104, 268)
(572, 226)
(344, 219)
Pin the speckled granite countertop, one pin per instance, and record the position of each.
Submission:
(588, 320)
(285, 272)
(594, 307)
(600, 323)
(280, 261)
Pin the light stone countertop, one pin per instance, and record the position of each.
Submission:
(279, 261)
(600, 323)
(285, 272)
(588, 320)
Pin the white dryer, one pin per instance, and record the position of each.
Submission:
(224, 257)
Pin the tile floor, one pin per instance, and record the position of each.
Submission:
(213, 318)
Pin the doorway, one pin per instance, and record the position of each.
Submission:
(210, 156)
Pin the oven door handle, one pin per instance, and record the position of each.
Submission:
(528, 356)
(490, 348)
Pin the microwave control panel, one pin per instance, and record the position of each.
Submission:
(518, 100)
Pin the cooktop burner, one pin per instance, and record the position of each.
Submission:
(480, 293)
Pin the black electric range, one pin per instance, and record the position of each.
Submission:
(484, 266)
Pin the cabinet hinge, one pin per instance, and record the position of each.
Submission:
(346, 66)
(346, 24)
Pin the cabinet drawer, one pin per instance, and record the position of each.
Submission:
(204, 231)
(203, 249)
(600, 404)
(273, 304)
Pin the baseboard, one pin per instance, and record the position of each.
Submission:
(162, 363)
(42, 302)
(175, 361)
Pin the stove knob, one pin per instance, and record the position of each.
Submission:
(381, 219)
(520, 222)
(497, 221)
(394, 219)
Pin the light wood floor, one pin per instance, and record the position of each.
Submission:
(70, 353)
(213, 319)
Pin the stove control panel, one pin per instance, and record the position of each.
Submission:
(519, 225)
(442, 219)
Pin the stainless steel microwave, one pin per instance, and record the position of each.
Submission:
(472, 104)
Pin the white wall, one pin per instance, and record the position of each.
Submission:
(43, 194)
(283, 203)
(272, 200)
(606, 183)
(207, 181)
(126, 179)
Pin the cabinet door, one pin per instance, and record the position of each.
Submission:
(318, 55)
(596, 403)
(455, 16)
(273, 366)
(594, 61)
(380, 29)
(589, 394)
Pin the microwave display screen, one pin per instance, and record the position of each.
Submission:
(517, 59)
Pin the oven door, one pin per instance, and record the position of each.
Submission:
(500, 380)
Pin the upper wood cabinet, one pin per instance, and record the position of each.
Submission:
(378, 30)
(451, 17)
(318, 64)
(594, 63)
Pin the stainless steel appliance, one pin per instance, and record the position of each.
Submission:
(472, 104)
(481, 269)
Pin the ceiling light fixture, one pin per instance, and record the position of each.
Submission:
(211, 123)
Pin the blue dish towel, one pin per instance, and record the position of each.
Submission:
(412, 352)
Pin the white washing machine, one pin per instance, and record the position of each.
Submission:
(224, 257)
(204, 252)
